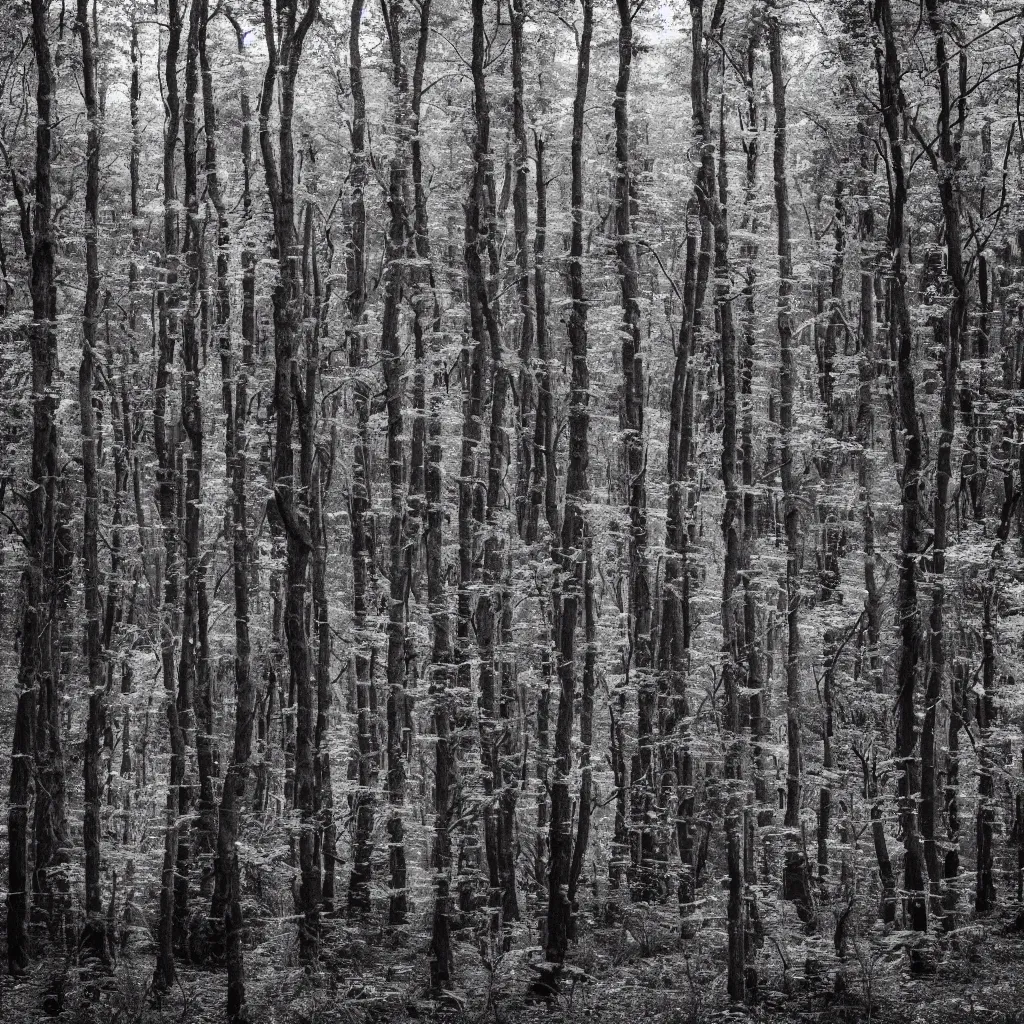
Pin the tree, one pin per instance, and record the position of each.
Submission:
(498, 489)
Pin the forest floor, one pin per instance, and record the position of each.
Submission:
(636, 971)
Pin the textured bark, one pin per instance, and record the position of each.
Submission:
(226, 910)
(543, 490)
(544, 482)
(796, 887)
(574, 545)
(319, 452)
(37, 729)
(525, 443)
(732, 530)
(484, 310)
(391, 361)
(285, 37)
(901, 344)
(760, 723)
(166, 499)
(646, 869)
(189, 668)
(121, 406)
(985, 825)
(950, 330)
(865, 437)
(442, 676)
(676, 621)
(360, 501)
(787, 386)
(94, 939)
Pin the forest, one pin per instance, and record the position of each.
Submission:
(512, 510)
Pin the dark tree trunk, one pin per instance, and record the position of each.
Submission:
(94, 936)
(865, 434)
(760, 723)
(732, 531)
(543, 490)
(949, 338)
(647, 883)
(360, 513)
(901, 344)
(574, 544)
(391, 360)
(285, 39)
(985, 826)
(226, 912)
(167, 488)
(39, 670)
(189, 668)
(796, 875)
(525, 444)
(674, 642)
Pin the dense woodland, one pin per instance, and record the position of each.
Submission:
(512, 505)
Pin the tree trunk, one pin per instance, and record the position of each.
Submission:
(543, 490)
(647, 883)
(167, 487)
(901, 344)
(575, 542)
(226, 912)
(676, 621)
(291, 492)
(796, 887)
(391, 359)
(949, 338)
(526, 445)
(192, 422)
(94, 938)
(360, 502)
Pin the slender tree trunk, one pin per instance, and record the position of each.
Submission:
(985, 886)
(442, 678)
(189, 669)
(166, 487)
(949, 338)
(676, 621)
(37, 729)
(360, 513)
(391, 359)
(94, 936)
(484, 322)
(865, 437)
(226, 912)
(291, 491)
(901, 343)
(647, 885)
(732, 531)
(796, 871)
(526, 445)
(760, 723)
(543, 490)
(575, 542)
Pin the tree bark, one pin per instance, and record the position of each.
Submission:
(226, 911)
(574, 545)
(391, 360)
(360, 507)
(291, 492)
(950, 330)
(676, 620)
(526, 444)
(901, 344)
(796, 887)
(647, 883)
(94, 938)
(167, 488)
